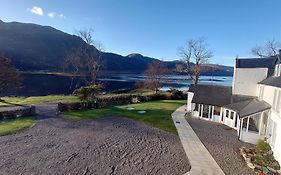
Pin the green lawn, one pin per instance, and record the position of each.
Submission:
(12, 101)
(37, 99)
(16, 125)
(158, 113)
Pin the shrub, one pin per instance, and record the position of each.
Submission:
(262, 146)
(87, 93)
(176, 94)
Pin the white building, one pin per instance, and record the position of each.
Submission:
(252, 106)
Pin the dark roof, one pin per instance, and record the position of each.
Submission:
(239, 98)
(272, 81)
(256, 62)
(248, 107)
(211, 94)
(191, 88)
(222, 96)
(269, 63)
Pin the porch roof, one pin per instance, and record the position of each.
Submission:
(248, 107)
(211, 94)
(272, 81)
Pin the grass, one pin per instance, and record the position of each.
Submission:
(16, 125)
(158, 113)
(12, 101)
(37, 99)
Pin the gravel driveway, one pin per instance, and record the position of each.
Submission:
(223, 145)
(110, 145)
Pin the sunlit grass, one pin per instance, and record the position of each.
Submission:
(16, 125)
(10, 101)
(158, 113)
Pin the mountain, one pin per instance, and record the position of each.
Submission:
(33, 47)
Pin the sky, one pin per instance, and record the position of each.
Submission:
(157, 28)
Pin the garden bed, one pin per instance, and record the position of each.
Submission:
(260, 158)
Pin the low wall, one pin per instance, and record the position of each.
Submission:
(15, 112)
(111, 101)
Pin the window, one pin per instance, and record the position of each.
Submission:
(226, 113)
(222, 115)
(231, 115)
(217, 110)
(236, 118)
(254, 123)
(196, 107)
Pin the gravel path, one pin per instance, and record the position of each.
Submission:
(110, 145)
(223, 145)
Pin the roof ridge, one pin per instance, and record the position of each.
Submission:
(248, 103)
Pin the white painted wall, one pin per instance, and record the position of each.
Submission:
(245, 80)
(250, 137)
(216, 118)
(227, 120)
(274, 134)
(277, 70)
(272, 95)
(190, 106)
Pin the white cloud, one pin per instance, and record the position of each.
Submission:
(62, 16)
(37, 11)
(51, 14)
(56, 15)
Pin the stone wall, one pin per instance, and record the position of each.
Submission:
(114, 100)
(17, 111)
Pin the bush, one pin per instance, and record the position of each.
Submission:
(262, 146)
(176, 94)
(87, 93)
(62, 107)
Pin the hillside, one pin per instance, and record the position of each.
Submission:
(33, 47)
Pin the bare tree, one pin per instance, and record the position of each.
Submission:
(9, 76)
(269, 49)
(93, 54)
(86, 60)
(194, 55)
(155, 73)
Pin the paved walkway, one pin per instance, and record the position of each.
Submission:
(200, 159)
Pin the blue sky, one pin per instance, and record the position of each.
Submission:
(157, 28)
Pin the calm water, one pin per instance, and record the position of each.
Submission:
(45, 84)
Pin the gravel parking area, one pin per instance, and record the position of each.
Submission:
(110, 145)
(223, 145)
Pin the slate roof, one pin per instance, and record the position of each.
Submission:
(269, 63)
(222, 96)
(256, 62)
(272, 81)
(248, 107)
(211, 94)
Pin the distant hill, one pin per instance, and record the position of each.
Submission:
(33, 47)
